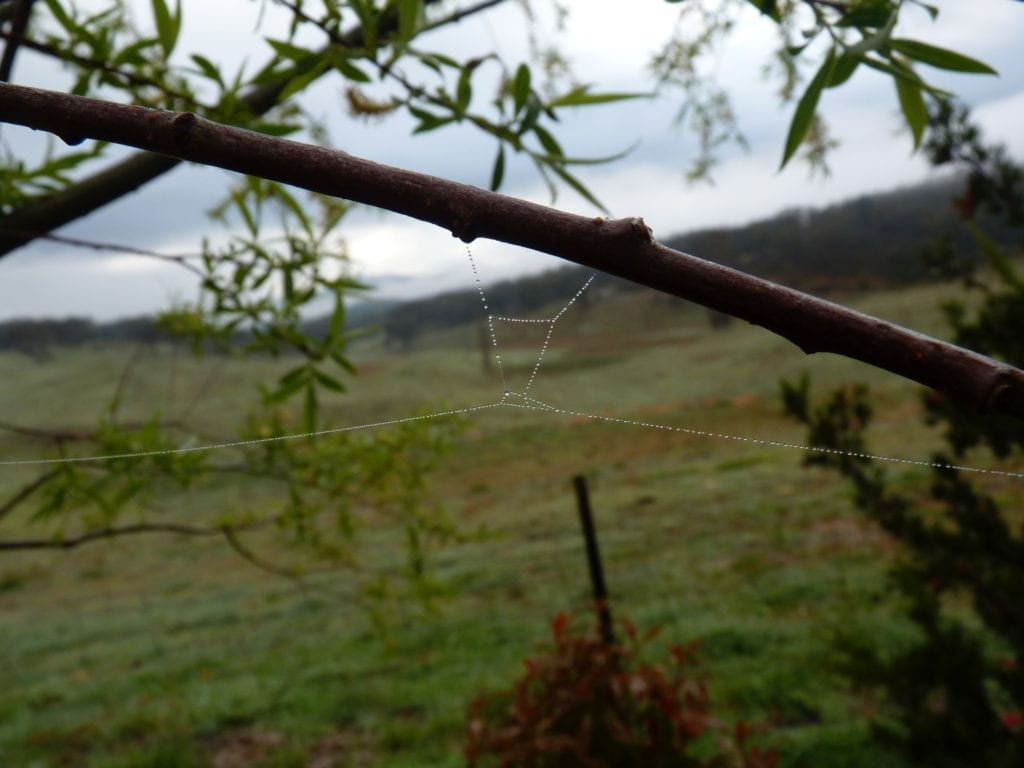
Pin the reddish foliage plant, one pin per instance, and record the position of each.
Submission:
(589, 703)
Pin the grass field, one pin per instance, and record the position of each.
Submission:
(159, 651)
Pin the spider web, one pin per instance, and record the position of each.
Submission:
(522, 399)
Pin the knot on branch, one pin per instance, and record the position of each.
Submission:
(641, 230)
(182, 126)
(463, 229)
(1006, 393)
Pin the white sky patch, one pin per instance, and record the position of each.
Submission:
(608, 46)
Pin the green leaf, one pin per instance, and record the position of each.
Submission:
(551, 146)
(843, 70)
(464, 91)
(62, 17)
(310, 408)
(428, 120)
(350, 70)
(304, 75)
(806, 108)
(133, 54)
(913, 106)
(581, 96)
(168, 24)
(498, 171)
(290, 51)
(576, 184)
(521, 87)
(328, 381)
(337, 325)
(289, 384)
(767, 8)
(208, 69)
(868, 16)
(900, 71)
(940, 58)
(410, 18)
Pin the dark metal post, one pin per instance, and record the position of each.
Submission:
(594, 559)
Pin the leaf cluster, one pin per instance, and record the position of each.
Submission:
(586, 702)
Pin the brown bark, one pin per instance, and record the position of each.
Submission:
(125, 176)
(623, 247)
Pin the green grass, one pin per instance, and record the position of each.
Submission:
(160, 651)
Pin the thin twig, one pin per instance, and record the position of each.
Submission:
(108, 533)
(89, 63)
(77, 435)
(20, 13)
(26, 491)
(236, 544)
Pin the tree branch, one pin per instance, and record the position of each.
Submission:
(25, 491)
(622, 247)
(108, 533)
(75, 435)
(230, 534)
(120, 179)
(20, 13)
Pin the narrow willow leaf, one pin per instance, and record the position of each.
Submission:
(576, 184)
(287, 50)
(166, 26)
(901, 72)
(940, 57)
(310, 407)
(767, 8)
(62, 18)
(913, 106)
(208, 68)
(521, 87)
(581, 96)
(872, 16)
(464, 91)
(328, 381)
(498, 171)
(305, 74)
(805, 109)
(337, 325)
(843, 70)
(410, 14)
(350, 70)
(550, 144)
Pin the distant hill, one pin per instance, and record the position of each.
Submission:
(869, 241)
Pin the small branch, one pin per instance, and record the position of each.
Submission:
(20, 13)
(51, 435)
(86, 62)
(236, 544)
(108, 533)
(25, 492)
(623, 247)
(74, 435)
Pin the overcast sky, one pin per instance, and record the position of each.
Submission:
(607, 46)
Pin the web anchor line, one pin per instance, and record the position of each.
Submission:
(534, 404)
(251, 442)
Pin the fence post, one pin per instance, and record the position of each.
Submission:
(594, 559)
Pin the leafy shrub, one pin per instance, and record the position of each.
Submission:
(590, 703)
